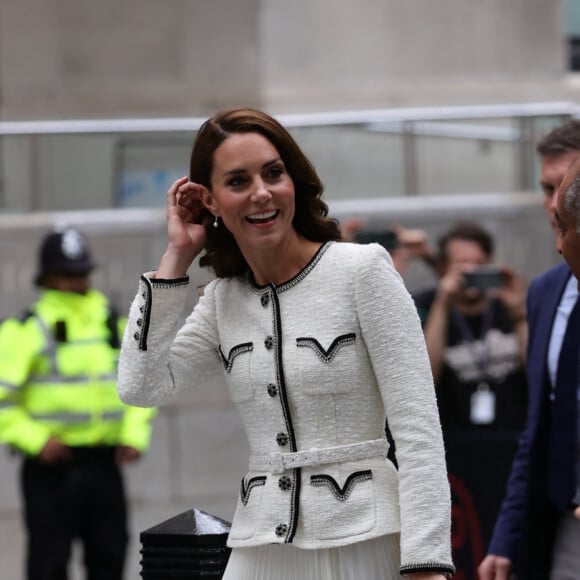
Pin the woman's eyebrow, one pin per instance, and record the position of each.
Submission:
(240, 170)
(233, 172)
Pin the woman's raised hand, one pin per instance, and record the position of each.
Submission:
(186, 235)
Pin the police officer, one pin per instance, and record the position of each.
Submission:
(59, 408)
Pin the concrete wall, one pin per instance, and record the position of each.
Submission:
(71, 58)
(340, 51)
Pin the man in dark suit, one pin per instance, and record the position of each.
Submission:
(537, 519)
(567, 217)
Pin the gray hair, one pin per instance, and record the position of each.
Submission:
(572, 201)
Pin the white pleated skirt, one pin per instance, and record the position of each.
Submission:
(374, 559)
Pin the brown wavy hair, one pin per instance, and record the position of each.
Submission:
(310, 217)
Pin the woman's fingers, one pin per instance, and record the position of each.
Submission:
(175, 186)
(172, 192)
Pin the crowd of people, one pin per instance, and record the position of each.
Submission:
(359, 399)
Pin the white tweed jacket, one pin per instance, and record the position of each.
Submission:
(315, 366)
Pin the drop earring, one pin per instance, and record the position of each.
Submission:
(215, 221)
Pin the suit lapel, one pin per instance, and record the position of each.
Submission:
(549, 296)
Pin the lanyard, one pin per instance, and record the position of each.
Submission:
(481, 359)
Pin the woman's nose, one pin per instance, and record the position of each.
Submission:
(261, 192)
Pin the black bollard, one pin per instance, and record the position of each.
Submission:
(190, 545)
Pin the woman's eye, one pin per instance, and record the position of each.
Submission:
(275, 172)
(235, 181)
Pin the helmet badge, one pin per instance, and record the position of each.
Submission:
(73, 245)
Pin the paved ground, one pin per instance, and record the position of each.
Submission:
(142, 518)
(197, 457)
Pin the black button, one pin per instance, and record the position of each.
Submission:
(282, 439)
(285, 483)
(265, 300)
(269, 342)
(281, 530)
(140, 322)
(141, 308)
(136, 336)
(272, 390)
(144, 295)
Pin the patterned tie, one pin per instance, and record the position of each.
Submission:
(563, 434)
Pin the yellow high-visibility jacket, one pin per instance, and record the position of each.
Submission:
(58, 370)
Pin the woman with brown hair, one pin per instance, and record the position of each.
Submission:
(319, 343)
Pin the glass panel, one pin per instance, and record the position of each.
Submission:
(57, 172)
(354, 162)
(572, 17)
(466, 156)
(147, 165)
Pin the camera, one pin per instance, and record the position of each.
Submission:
(484, 278)
(386, 238)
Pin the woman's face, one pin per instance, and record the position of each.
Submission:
(252, 192)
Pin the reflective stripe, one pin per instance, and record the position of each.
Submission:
(8, 386)
(77, 417)
(7, 405)
(50, 348)
(53, 378)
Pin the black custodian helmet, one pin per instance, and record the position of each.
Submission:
(64, 252)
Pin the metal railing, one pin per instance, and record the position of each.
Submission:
(365, 154)
(358, 117)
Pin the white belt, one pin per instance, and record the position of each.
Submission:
(277, 462)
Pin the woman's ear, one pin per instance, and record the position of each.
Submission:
(207, 200)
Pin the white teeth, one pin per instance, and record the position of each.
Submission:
(262, 216)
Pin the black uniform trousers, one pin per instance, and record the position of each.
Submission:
(83, 499)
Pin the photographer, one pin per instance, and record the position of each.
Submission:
(475, 328)
(476, 333)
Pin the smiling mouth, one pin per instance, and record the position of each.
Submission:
(262, 218)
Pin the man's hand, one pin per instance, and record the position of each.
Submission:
(513, 294)
(450, 288)
(54, 451)
(495, 568)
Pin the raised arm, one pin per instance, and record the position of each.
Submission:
(438, 319)
(158, 359)
(185, 230)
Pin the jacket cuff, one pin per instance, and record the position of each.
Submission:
(145, 299)
(447, 569)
